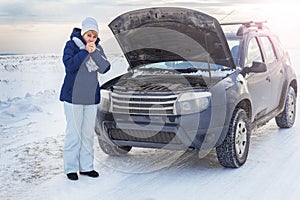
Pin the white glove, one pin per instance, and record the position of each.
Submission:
(78, 43)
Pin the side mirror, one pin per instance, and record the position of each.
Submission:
(257, 67)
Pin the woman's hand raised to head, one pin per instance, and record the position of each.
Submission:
(90, 47)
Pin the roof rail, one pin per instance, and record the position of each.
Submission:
(258, 24)
(245, 25)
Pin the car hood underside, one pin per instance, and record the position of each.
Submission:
(170, 34)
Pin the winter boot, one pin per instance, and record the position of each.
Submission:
(92, 173)
(72, 176)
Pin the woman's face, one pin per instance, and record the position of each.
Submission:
(90, 36)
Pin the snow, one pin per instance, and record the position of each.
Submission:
(32, 127)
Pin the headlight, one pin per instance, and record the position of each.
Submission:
(192, 102)
(105, 101)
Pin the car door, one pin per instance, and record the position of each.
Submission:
(275, 68)
(259, 84)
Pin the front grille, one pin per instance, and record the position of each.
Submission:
(144, 136)
(143, 104)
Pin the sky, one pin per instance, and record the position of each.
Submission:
(43, 26)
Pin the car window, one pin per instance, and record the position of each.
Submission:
(233, 42)
(180, 65)
(234, 45)
(280, 49)
(269, 50)
(253, 54)
(192, 68)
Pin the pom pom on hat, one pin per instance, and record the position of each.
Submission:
(89, 24)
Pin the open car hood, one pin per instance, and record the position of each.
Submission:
(171, 34)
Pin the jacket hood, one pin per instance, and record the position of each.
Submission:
(77, 33)
(171, 34)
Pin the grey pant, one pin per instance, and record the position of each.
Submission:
(78, 150)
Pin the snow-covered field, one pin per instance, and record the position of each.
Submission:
(31, 139)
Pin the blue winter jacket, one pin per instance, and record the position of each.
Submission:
(81, 86)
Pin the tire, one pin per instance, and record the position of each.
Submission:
(233, 152)
(111, 149)
(286, 119)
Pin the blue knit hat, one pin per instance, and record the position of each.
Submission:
(89, 24)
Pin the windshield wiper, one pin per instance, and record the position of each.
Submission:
(226, 69)
(187, 70)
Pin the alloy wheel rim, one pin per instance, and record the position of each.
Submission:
(240, 138)
(291, 107)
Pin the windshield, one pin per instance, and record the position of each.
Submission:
(183, 68)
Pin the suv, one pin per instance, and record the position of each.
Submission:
(189, 86)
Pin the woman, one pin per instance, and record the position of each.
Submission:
(83, 57)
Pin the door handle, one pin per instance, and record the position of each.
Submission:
(268, 78)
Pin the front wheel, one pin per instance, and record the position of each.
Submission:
(233, 151)
(108, 147)
(286, 119)
(113, 150)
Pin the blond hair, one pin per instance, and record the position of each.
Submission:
(92, 31)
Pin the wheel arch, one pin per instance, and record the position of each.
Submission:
(245, 104)
(294, 85)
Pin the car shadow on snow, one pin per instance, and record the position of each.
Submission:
(140, 160)
(151, 160)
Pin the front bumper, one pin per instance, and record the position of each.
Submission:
(186, 132)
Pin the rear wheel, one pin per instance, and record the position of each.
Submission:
(233, 151)
(286, 119)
